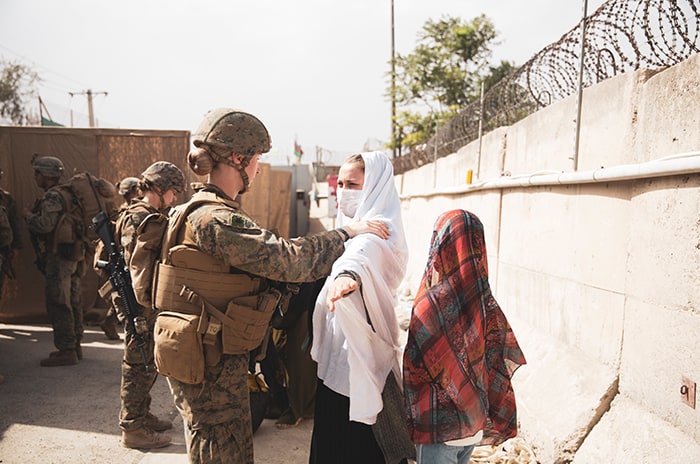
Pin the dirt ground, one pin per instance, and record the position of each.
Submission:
(70, 414)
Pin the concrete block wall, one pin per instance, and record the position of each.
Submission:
(600, 281)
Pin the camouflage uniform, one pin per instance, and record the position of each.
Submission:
(216, 412)
(10, 205)
(62, 268)
(139, 426)
(127, 188)
(136, 382)
(10, 238)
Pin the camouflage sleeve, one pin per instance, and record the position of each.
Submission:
(235, 239)
(13, 216)
(44, 220)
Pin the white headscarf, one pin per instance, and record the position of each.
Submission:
(354, 358)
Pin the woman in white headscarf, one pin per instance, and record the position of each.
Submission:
(355, 330)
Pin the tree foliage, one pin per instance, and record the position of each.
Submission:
(442, 75)
(17, 86)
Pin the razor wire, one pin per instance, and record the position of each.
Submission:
(621, 36)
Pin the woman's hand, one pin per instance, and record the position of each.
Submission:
(341, 286)
(378, 228)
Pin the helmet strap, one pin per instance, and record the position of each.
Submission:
(245, 161)
(163, 206)
(244, 175)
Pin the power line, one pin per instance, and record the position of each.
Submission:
(38, 66)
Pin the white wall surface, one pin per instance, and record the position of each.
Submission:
(601, 281)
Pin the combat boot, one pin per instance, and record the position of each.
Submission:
(78, 350)
(109, 327)
(60, 358)
(158, 425)
(144, 438)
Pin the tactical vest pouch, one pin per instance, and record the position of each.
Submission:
(243, 326)
(250, 321)
(179, 353)
(65, 230)
(217, 288)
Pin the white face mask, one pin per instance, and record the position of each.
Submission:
(349, 201)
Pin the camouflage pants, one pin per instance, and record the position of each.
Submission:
(216, 413)
(64, 301)
(136, 382)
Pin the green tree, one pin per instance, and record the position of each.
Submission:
(498, 73)
(442, 75)
(17, 86)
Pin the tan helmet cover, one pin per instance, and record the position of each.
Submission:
(165, 176)
(233, 130)
(48, 166)
(128, 185)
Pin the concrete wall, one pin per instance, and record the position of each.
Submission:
(600, 281)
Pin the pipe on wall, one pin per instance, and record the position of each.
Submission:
(678, 164)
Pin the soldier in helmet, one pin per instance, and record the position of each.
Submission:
(160, 184)
(242, 258)
(60, 256)
(128, 189)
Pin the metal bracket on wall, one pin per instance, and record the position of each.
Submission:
(688, 391)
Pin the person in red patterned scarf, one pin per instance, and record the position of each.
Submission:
(461, 352)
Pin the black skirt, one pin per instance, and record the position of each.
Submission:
(336, 439)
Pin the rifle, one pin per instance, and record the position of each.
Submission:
(120, 278)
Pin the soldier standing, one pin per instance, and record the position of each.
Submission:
(10, 238)
(160, 184)
(219, 236)
(128, 189)
(60, 257)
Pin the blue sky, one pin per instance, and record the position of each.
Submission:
(314, 70)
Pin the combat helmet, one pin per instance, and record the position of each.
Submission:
(233, 130)
(48, 166)
(128, 185)
(165, 176)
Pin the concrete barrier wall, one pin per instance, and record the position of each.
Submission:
(601, 281)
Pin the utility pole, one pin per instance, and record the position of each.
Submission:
(580, 85)
(393, 85)
(89, 94)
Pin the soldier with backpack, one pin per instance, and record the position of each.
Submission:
(160, 183)
(59, 245)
